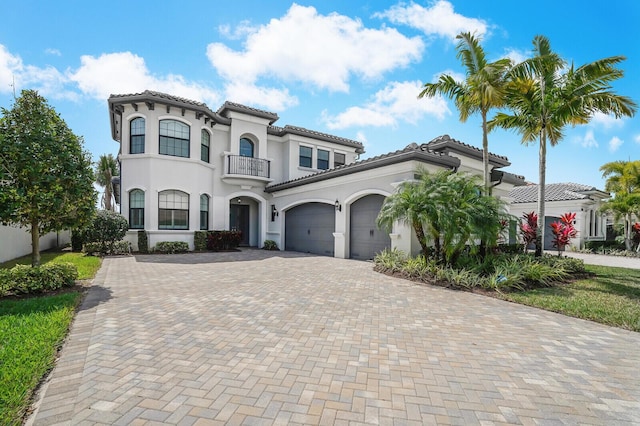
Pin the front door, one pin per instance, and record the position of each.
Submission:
(239, 221)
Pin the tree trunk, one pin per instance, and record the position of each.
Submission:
(417, 227)
(541, 192)
(35, 243)
(485, 155)
(628, 235)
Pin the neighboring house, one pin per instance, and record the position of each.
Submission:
(16, 242)
(185, 167)
(561, 198)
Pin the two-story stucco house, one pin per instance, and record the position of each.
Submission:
(185, 167)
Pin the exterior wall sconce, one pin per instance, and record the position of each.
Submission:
(274, 213)
(338, 206)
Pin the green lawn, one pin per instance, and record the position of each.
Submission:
(31, 330)
(87, 265)
(612, 297)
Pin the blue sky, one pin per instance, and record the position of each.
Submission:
(352, 69)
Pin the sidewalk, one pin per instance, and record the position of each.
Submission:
(602, 260)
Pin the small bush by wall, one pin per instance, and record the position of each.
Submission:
(77, 240)
(223, 240)
(200, 240)
(270, 245)
(171, 247)
(24, 279)
(106, 229)
(143, 242)
(117, 248)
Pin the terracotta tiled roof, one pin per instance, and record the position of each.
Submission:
(555, 192)
(233, 106)
(445, 143)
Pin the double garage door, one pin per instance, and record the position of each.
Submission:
(309, 228)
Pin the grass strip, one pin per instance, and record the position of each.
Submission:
(31, 331)
(612, 297)
(87, 265)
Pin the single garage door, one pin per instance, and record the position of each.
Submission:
(309, 228)
(366, 239)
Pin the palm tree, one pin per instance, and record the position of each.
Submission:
(623, 179)
(445, 208)
(482, 90)
(544, 97)
(106, 169)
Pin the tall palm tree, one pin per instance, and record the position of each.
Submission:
(106, 169)
(545, 96)
(623, 179)
(482, 90)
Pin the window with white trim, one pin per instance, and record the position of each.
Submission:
(306, 154)
(136, 136)
(204, 212)
(205, 145)
(136, 209)
(173, 210)
(174, 138)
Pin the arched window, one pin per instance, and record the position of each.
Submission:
(136, 143)
(246, 147)
(204, 212)
(136, 209)
(174, 138)
(205, 143)
(173, 210)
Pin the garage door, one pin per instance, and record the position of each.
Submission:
(365, 238)
(309, 228)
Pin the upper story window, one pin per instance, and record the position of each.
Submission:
(246, 148)
(136, 143)
(204, 212)
(136, 209)
(305, 156)
(338, 159)
(173, 210)
(205, 143)
(323, 159)
(174, 138)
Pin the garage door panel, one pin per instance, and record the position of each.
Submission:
(366, 239)
(309, 228)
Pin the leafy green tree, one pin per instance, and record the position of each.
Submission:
(482, 90)
(447, 209)
(46, 178)
(106, 229)
(106, 169)
(545, 96)
(623, 179)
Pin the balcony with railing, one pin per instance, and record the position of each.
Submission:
(243, 168)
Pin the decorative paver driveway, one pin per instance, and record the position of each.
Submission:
(284, 338)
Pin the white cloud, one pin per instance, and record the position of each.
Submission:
(397, 102)
(323, 51)
(47, 81)
(125, 72)
(239, 32)
(53, 52)
(439, 19)
(516, 55)
(361, 137)
(606, 121)
(615, 143)
(457, 76)
(250, 94)
(637, 138)
(589, 140)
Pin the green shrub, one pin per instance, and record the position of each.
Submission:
(115, 249)
(143, 242)
(569, 264)
(171, 247)
(270, 245)
(390, 260)
(200, 240)
(77, 240)
(24, 279)
(223, 240)
(106, 229)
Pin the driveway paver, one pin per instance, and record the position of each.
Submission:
(264, 338)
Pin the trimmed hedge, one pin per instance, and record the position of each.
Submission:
(24, 279)
(171, 247)
(200, 240)
(270, 245)
(115, 249)
(143, 242)
(223, 240)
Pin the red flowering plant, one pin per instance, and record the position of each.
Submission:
(563, 230)
(635, 228)
(528, 228)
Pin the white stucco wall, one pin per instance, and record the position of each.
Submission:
(16, 242)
